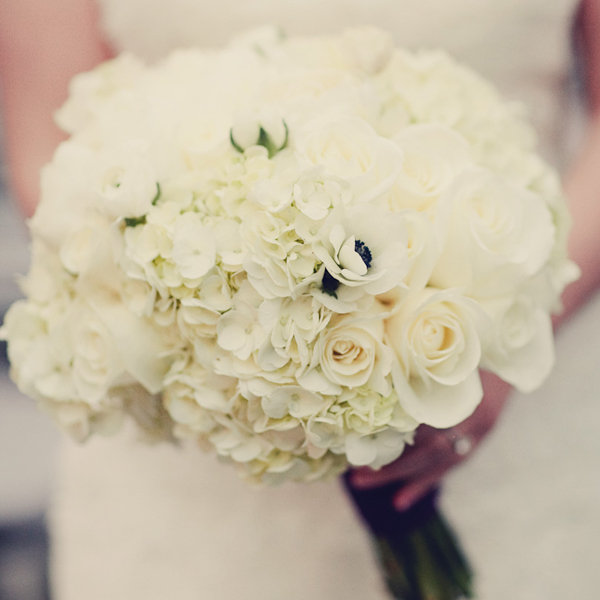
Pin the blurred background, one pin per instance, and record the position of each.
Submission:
(27, 440)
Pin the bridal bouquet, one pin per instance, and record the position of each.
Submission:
(292, 251)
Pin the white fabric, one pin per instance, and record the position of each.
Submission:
(133, 522)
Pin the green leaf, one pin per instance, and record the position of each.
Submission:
(135, 221)
(234, 143)
(157, 195)
(264, 139)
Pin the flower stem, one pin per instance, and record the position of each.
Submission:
(419, 554)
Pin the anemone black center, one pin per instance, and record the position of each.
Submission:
(329, 283)
(363, 251)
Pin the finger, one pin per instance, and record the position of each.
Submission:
(414, 490)
(407, 466)
(425, 456)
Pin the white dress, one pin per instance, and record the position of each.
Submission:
(149, 523)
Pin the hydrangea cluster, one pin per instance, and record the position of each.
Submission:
(292, 251)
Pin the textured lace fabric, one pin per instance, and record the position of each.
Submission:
(132, 522)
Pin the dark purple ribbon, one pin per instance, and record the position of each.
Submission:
(377, 510)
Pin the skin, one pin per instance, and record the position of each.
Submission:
(43, 44)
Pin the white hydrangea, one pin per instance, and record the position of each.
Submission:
(293, 251)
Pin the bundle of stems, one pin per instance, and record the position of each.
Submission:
(419, 554)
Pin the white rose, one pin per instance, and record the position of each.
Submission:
(128, 183)
(433, 156)
(521, 345)
(97, 364)
(368, 48)
(78, 249)
(435, 336)
(47, 280)
(560, 271)
(351, 353)
(30, 350)
(496, 236)
(66, 193)
(72, 358)
(438, 89)
(89, 92)
(423, 248)
(351, 150)
(109, 346)
(143, 348)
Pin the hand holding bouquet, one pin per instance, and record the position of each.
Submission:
(292, 251)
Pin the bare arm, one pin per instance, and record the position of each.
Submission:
(588, 36)
(582, 181)
(43, 43)
(582, 185)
